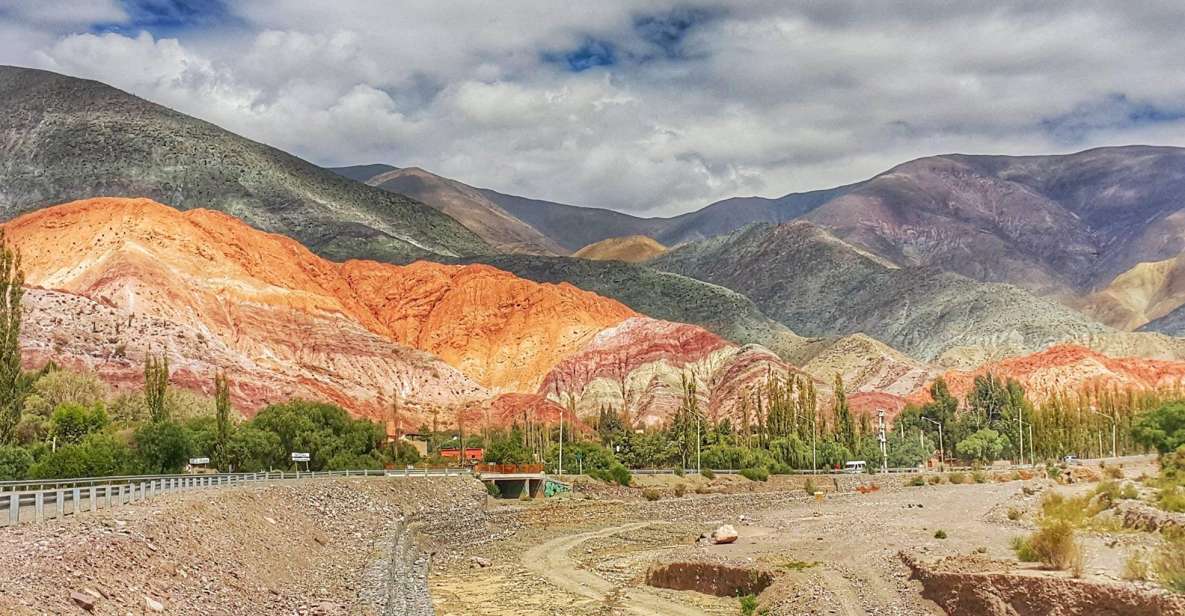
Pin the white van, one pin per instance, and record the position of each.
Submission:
(855, 467)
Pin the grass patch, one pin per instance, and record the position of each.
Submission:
(748, 605)
(979, 477)
(1014, 514)
(1135, 567)
(941, 534)
(956, 478)
(797, 565)
(1170, 565)
(1171, 498)
(809, 486)
(935, 480)
(680, 490)
(651, 494)
(917, 481)
(708, 474)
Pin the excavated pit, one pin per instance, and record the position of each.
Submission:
(709, 578)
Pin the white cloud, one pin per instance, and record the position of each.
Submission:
(762, 97)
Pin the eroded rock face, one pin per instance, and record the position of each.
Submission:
(640, 365)
(124, 277)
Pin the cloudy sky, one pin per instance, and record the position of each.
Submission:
(650, 107)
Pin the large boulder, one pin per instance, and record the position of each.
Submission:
(724, 534)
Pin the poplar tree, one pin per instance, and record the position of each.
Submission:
(844, 428)
(12, 281)
(222, 416)
(156, 383)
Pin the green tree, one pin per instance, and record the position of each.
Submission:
(844, 428)
(70, 423)
(250, 449)
(98, 455)
(164, 446)
(222, 417)
(507, 448)
(14, 462)
(984, 445)
(156, 385)
(12, 281)
(1162, 429)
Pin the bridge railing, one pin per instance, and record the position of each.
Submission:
(26, 501)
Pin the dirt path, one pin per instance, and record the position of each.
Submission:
(553, 560)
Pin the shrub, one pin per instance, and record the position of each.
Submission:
(755, 474)
(680, 490)
(708, 474)
(493, 490)
(1023, 549)
(956, 478)
(918, 480)
(1135, 567)
(619, 473)
(702, 490)
(979, 477)
(1113, 472)
(14, 462)
(809, 487)
(1014, 513)
(1170, 565)
(748, 605)
(941, 534)
(651, 494)
(679, 472)
(935, 479)
(1056, 547)
(1129, 492)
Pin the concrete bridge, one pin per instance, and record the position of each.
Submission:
(515, 485)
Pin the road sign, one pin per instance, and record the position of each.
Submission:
(300, 457)
(199, 460)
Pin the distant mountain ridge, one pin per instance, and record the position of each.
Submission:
(63, 138)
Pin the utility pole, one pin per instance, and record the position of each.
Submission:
(941, 445)
(698, 468)
(1114, 434)
(1020, 427)
(880, 414)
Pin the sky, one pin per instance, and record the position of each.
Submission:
(644, 106)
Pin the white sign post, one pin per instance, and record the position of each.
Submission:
(298, 457)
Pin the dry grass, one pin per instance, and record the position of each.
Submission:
(1135, 568)
(1053, 545)
(1170, 565)
(651, 494)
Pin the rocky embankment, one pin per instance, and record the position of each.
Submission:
(326, 547)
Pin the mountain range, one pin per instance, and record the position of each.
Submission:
(145, 230)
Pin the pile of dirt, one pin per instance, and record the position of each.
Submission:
(710, 578)
(969, 585)
(282, 548)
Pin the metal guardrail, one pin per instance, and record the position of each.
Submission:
(27, 501)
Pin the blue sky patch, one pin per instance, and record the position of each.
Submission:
(591, 53)
(1114, 111)
(169, 17)
(668, 31)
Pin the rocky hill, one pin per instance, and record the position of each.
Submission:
(1071, 368)
(63, 139)
(467, 205)
(820, 285)
(124, 277)
(631, 249)
(662, 295)
(1140, 295)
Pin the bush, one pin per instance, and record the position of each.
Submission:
(748, 605)
(1129, 492)
(164, 446)
(98, 455)
(680, 490)
(941, 534)
(1014, 514)
(1163, 429)
(935, 480)
(956, 478)
(708, 474)
(1023, 549)
(1056, 546)
(1172, 498)
(619, 473)
(651, 494)
(809, 486)
(755, 474)
(979, 477)
(1113, 472)
(917, 480)
(679, 472)
(1170, 565)
(493, 490)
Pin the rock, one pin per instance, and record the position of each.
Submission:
(84, 600)
(481, 562)
(724, 534)
(152, 605)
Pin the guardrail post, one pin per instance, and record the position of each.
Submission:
(38, 505)
(77, 494)
(109, 488)
(14, 508)
(94, 498)
(60, 505)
